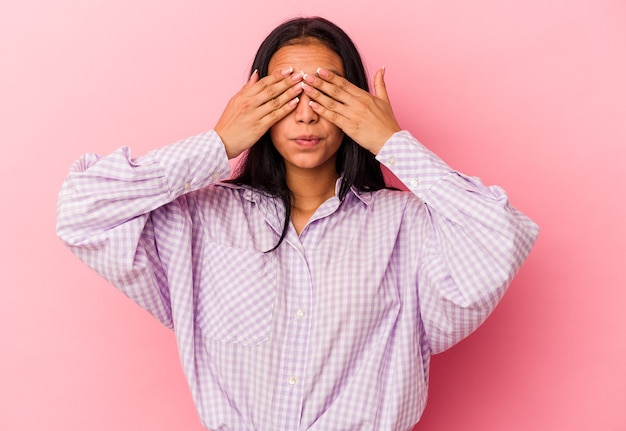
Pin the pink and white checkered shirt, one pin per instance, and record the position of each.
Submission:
(331, 331)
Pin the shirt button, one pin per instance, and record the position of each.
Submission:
(215, 176)
(300, 314)
(413, 183)
(187, 186)
(292, 381)
(391, 161)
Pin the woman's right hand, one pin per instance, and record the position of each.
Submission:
(256, 107)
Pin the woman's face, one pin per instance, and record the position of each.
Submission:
(304, 139)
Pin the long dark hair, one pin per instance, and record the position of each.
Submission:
(262, 167)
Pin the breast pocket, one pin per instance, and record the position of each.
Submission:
(236, 301)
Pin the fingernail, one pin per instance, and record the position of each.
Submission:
(255, 72)
(287, 71)
(308, 78)
(293, 102)
(297, 76)
(322, 72)
(313, 104)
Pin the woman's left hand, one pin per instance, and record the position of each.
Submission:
(368, 119)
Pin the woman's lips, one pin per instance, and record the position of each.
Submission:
(307, 141)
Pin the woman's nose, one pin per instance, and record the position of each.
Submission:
(303, 112)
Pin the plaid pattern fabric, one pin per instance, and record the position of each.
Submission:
(331, 331)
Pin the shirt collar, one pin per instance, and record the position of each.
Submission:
(365, 197)
(254, 195)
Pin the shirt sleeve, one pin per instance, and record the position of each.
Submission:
(471, 244)
(105, 204)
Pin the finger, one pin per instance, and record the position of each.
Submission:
(329, 103)
(275, 84)
(380, 89)
(330, 82)
(317, 85)
(333, 116)
(278, 102)
(275, 115)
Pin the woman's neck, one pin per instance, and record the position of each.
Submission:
(309, 191)
(310, 188)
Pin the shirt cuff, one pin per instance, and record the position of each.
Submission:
(415, 165)
(193, 163)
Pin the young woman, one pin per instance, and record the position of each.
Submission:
(304, 294)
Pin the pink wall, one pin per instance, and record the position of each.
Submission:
(530, 95)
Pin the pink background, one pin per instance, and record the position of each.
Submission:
(527, 94)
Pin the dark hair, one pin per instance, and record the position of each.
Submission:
(262, 167)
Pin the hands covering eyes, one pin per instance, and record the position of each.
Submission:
(367, 118)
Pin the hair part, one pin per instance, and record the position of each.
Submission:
(262, 167)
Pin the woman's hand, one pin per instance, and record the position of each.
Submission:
(256, 107)
(368, 119)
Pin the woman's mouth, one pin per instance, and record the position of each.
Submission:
(307, 141)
